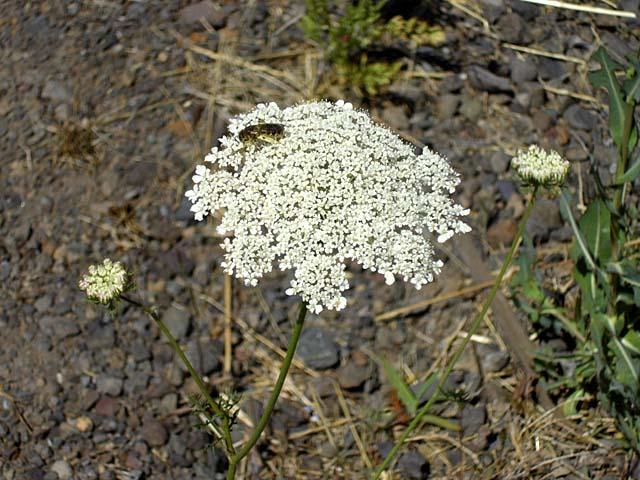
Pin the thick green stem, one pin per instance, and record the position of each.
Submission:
(264, 419)
(458, 353)
(225, 431)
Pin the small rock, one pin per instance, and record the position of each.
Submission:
(501, 232)
(395, 116)
(483, 79)
(492, 9)
(580, 118)
(549, 68)
(541, 121)
(107, 406)
(56, 91)
(43, 303)
(352, 376)
(178, 321)
(576, 154)
(206, 10)
(495, 361)
(471, 109)
(110, 385)
(204, 356)
(62, 112)
(413, 466)
(499, 162)
(154, 433)
(472, 419)
(512, 28)
(83, 424)
(446, 106)
(545, 217)
(523, 70)
(317, 349)
(62, 469)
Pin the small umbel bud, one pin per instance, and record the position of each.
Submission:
(104, 283)
(538, 168)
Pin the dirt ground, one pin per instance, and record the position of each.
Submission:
(105, 109)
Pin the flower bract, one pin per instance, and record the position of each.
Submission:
(535, 166)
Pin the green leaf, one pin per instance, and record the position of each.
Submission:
(632, 85)
(626, 367)
(405, 394)
(606, 78)
(632, 341)
(571, 403)
(612, 323)
(631, 174)
(580, 240)
(595, 225)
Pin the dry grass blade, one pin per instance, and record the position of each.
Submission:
(414, 307)
(545, 53)
(583, 8)
(352, 426)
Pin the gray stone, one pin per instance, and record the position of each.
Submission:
(472, 419)
(56, 91)
(317, 349)
(178, 321)
(499, 162)
(154, 433)
(512, 28)
(203, 355)
(471, 109)
(523, 70)
(495, 361)
(549, 68)
(580, 118)
(43, 303)
(545, 218)
(446, 106)
(352, 375)
(483, 79)
(62, 469)
(413, 466)
(62, 112)
(109, 385)
(492, 9)
(205, 10)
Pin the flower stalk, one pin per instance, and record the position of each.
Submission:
(268, 410)
(472, 330)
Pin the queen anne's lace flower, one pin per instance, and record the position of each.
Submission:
(534, 166)
(337, 187)
(104, 283)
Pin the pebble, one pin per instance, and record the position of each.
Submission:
(471, 109)
(522, 70)
(62, 469)
(549, 69)
(495, 361)
(492, 9)
(413, 466)
(580, 118)
(203, 355)
(512, 28)
(317, 349)
(472, 418)
(447, 105)
(107, 406)
(178, 321)
(501, 232)
(499, 162)
(352, 376)
(110, 385)
(544, 218)
(56, 91)
(154, 433)
(483, 79)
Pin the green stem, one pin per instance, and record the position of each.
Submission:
(225, 432)
(472, 330)
(264, 419)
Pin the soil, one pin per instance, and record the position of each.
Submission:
(105, 109)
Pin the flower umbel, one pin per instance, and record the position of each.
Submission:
(335, 187)
(104, 283)
(534, 166)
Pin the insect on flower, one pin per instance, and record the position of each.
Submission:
(261, 133)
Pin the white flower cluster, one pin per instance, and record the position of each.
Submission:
(534, 166)
(335, 187)
(105, 282)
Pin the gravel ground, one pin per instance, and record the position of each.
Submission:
(105, 107)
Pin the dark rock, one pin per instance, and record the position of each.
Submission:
(471, 109)
(542, 121)
(580, 118)
(512, 28)
(527, 11)
(501, 232)
(110, 385)
(204, 355)
(413, 466)
(499, 162)
(43, 303)
(472, 419)
(56, 91)
(59, 327)
(352, 375)
(483, 79)
(549, 68)
(178, 321)
(154, 433)
(495, 361)
(446, 106)
(107, 406)
(492, 9)
(317, 349)
(523, 70)
(62, 469)
(395, 116)
(545, 217)
(206, 10)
